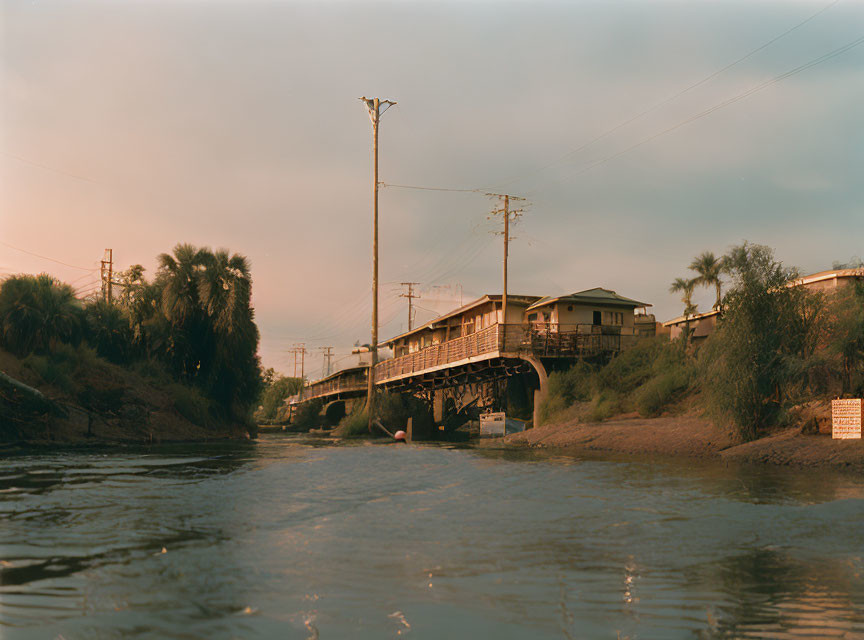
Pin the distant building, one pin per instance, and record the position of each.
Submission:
(829, 280)
(585, 310)
(703, 324)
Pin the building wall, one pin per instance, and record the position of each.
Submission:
(574, 313)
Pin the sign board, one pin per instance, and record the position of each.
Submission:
(493, 424)
(498, 424)
(846, 417)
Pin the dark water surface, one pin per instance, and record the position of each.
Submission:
(288, 539)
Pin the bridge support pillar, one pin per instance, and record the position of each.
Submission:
(539, 394)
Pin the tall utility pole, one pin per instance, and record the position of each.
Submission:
(300, 349)
(106, 273)
(410, 295)
(328, 355)
(373, 106)
(505, 209)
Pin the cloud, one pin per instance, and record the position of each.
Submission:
(238, 126)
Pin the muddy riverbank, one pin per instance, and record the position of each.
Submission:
(692, 436)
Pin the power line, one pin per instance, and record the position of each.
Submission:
(65, 264)
(47, 168)
(816, 61)
(419, 188)
(670, 98)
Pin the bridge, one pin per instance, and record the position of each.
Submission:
(473, 366)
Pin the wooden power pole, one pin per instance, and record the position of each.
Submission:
(373, 106)
(328, 355)
(505, 209)
(410, 295)
(106, 274)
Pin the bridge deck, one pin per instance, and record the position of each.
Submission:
(538, 340)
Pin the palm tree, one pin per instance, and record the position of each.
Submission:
(37, 312)
(685, 287)
(709, 269)
(225, 289)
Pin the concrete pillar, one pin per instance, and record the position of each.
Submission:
(539, 394)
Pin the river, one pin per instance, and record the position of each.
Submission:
(292, 538)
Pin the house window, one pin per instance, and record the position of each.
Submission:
(569, 307)
(615, 318)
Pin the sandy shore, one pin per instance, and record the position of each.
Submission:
(695, 437)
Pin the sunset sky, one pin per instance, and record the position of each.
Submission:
(138, 125)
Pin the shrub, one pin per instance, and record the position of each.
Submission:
(308, 414)
(754, 360)
(355, 424)
(659, 392)
(191, 404)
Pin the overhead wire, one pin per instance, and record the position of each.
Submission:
(666, 101)
(37, 255)
(725, 103)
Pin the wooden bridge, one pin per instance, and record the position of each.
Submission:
(495, 352)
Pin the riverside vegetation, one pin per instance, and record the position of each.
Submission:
(187, 335)
(776, 347)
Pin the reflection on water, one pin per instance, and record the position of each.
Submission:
(287, 538)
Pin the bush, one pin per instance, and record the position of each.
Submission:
(355, 424)
(756, 358)
(308, 415)
(658, 393)
(191, 404)
(57, 373)
(648, 377)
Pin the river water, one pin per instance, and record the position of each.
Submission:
(291, 538)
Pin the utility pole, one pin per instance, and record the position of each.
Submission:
(300, 349)
(515, 213)
(106, 274)
(328, 355)
(410, 295)
(373, 106)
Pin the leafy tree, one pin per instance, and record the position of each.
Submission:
(275, 392)
(847, 337)
(752, 362)
(709, 269)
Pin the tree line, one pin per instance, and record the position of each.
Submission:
(192, 322)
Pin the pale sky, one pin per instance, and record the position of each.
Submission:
(138, 125)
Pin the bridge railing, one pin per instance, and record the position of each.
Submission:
(481, 342)
(540, 339)
(355, 381)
